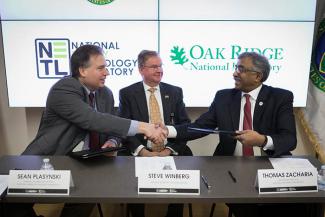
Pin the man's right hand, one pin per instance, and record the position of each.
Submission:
(153, 132)
(163, 126)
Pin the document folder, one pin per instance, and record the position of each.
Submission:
(84, 154)
(211, 131)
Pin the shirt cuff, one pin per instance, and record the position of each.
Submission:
(133, 128)
(172, 150)
(137, 151)
(172, 132)
(269, 145)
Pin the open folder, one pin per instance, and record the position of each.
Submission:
(211, 131)
(84, 154)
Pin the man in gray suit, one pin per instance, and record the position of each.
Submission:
(69, 119)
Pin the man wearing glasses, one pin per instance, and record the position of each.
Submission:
(156, 102)
(79, 112)
(262, 115)
(263, 119)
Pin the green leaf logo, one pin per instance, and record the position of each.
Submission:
(101, 2)
(178, 56)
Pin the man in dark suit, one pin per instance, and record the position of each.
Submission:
(79, 112)
(273, 128)
(135, 104)
(261, 115)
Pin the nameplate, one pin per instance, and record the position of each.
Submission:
(180, 182)
(287, 181)
(38, 182)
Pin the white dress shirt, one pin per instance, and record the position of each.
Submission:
(253, 97)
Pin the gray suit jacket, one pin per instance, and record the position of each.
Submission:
(68, 118)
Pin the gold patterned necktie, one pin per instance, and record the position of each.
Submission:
(155, 116)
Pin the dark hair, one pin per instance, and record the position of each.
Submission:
(144, 56)
(260, 63)
(81, 57)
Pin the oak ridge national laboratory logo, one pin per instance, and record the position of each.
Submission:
(199, 57)
(317, 71)
(101, 2)
(52, 57)
(178, 55)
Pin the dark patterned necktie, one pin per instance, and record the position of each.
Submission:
(93, 136)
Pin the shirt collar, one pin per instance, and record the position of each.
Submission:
(147, 87)
(254, 93)
(88, 91)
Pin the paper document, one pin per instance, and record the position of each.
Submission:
(290, 163)
(212, 131)
(153, 164)
(3, 183)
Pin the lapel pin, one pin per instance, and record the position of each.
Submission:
(166, 96)
(260, 103)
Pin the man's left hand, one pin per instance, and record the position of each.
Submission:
(109, 144)
(165, 152)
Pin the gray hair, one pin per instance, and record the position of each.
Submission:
(144, 56)
(260, 63)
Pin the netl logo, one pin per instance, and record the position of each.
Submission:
(52, 57)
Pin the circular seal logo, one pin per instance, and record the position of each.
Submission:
(101, 2)
(317, 71)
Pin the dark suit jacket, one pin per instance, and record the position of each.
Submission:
(273, 116)
(68, 118)
(133, 105)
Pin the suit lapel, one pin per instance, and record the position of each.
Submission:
(165, 99)
(86, 96)
(141, 100)
(234, 108)
(260, 106)
(99, 103)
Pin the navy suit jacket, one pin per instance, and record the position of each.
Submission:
(273, 116)
(133, 105)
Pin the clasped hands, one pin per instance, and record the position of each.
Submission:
(146, 153)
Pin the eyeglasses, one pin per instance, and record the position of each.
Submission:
(154, 66)
(242, 69)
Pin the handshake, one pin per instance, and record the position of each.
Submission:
(157, 133)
